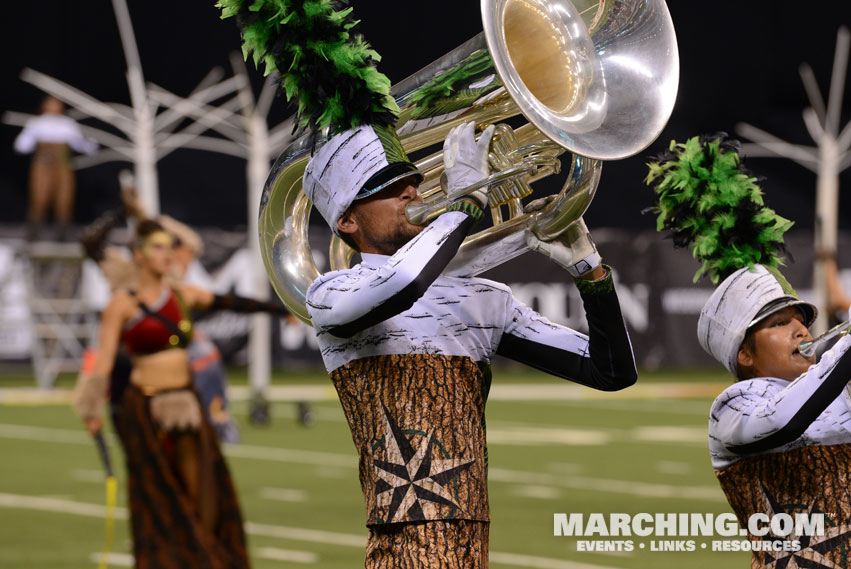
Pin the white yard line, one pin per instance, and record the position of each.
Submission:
(33, 396)
(276, 554)
(286, 393)
(272, 553)
(308, 535)
(531, 562)
(283, 494)
(671, 434)
(288, 533)
(277, 454)
(61, 505)
(539, 492)
(549, 391)
(89, 476)
(114, 559)
(46, 434)
(525, 436)
(640, 489)
(64, 506)
(633, 488)
(564, 391)
(663, 406)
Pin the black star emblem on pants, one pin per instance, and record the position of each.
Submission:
(814, 548)
(412, 482)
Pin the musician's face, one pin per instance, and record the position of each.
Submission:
(378, 223)
(773, 350)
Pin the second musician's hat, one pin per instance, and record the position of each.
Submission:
(329, 70)
(741, 301)
(709, 202)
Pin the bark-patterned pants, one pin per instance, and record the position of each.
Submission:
(439, 544)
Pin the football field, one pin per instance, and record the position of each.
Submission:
(553, 448)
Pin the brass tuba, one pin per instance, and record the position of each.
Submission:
(595, 77)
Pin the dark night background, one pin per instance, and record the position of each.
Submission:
(739, 62)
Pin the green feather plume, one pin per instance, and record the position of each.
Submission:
(709, 202)
(325, 67)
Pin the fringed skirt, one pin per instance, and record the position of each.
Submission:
(167, 530)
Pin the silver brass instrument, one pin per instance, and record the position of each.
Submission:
(595, 77)
(810, 348)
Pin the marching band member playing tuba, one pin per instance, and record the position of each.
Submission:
(407, 348)
(410, 349)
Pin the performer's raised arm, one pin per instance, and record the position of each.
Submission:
(748, 418)
(603, 359)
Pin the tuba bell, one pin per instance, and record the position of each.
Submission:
(597, 78)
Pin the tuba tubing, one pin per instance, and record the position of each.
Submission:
(597, 78)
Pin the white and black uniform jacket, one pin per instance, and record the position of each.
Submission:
(771, 415)
(409, 349)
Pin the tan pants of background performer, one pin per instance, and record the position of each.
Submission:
(444, 544)
(51, 183)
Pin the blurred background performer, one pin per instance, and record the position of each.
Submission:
(208, 371)
(408, 349)
(174, 463)
(50, 137)
(778, 437)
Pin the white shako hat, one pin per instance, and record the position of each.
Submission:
(353, 165)
(742, 300)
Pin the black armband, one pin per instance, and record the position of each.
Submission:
(246, 305)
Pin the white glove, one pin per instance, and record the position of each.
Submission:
(465, 161)
(574, 250)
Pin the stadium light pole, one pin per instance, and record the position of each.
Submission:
(827, 159)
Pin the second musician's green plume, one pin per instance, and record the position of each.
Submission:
(710, 203)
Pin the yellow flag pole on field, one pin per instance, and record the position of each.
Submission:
(111, 499)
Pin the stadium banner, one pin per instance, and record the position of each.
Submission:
(659, 301)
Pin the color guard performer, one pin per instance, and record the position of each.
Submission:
(183, 508)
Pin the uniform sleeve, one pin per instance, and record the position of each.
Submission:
(78, 142)
(25, 141)
(750, 419)
(345, 303)
(602, 360)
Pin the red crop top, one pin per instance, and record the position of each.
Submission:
(146, 333)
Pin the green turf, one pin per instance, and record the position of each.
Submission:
(630, 468)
